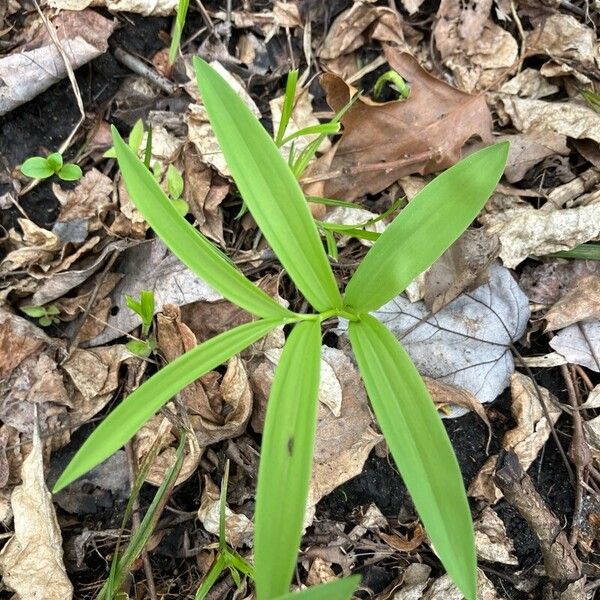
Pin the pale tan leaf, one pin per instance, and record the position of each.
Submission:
(491, 539)
(579, 304)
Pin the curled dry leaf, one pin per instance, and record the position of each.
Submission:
(579, 344)
(526, 439)
(239, 529)
(382, 142)
(578, 304)
(574, 118)
(527, 231)
(32, 68)
(529, 83)
(468, 342)
(472, 46)
(156, 8)
(414, 582)
(463, 267)
(491, 539)
(31, 562)
(150, 266)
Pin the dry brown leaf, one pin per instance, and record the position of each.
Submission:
(402, 543)
(239, 529)
(525, 232)
(574, 118)
(31, 562)
(320, 572)
(414, 581)
(529, 83)
(412, 6)
(32, 68)
(579, 304)
(476, 50)
(526, 439)
(463, 267)
(529, 149)
(382, 142)
(491, 540)
(156, 8)
(560, 35)
(444, 589)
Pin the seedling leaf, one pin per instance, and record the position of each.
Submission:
(70, 172)
(286, 459)
(269, 189)
(420, 447)
(189, 245)
(420, 234)
(55, 161)
(123, 422)
(37, 167)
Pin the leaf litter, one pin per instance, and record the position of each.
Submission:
(477, 72)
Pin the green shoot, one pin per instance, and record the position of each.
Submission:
(288, 106)
(583, 251)
(417, 236)
(227, 558)
(135, 140)
(396, 81)
(175, 190)
(46, 315)
(178, 25)
(592, 98)
(144, 308)
(38, 167)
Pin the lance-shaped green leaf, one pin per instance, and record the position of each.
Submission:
(123, 422)
(420, 447)
(285, 460)
(420, 234)
(269, 189)
(188, 244)
(341, 589)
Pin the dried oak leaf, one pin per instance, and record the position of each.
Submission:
(382, 142)
(578, 304)
(30, 69)
(491, 539)
(526, 439)
(527, 231)
(467, 343)
(529, 83)
(31, 563)
(156, 8)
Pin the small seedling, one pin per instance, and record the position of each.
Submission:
(396, 81)
(46, 315)
(415, 435)
(175, 189)
(38, 167)
(134, 141)
(178, 25)
(227, 558)
(144, 308)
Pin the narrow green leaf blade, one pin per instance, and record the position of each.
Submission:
(269, 188)
(420, 447)
(341, 589)
(125, 420)
(189, 245)
(420, 234)
(286, 460)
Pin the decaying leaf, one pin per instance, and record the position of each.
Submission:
(472, 46)
(578, 304)
(444, 589)
(31, 562)
(579, 344)
(529, 83)
(157, 8)
(468, 342)
(491, 540)
(32, 68)
(239, 529)
(526, 439)
(150, 266)
(382, 142)
(414, 582)
(342, 215)
(528, 231)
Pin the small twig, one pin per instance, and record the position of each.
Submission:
(584, 377)
(138, 66)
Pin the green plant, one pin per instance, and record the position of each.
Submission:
(136, 136)
(396, 81)
(46, 315)
(414, 240)
(38, 167)
(175, 189)
(178, 25)
(144, 308)
(226, 558)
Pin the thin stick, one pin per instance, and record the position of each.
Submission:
(137, 65)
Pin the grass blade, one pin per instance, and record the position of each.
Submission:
(341, 589)
(123, 422)
(189, 245)
(269, 188)
(419, 235)
(420, 447)
(583, 251)
(286, 460)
